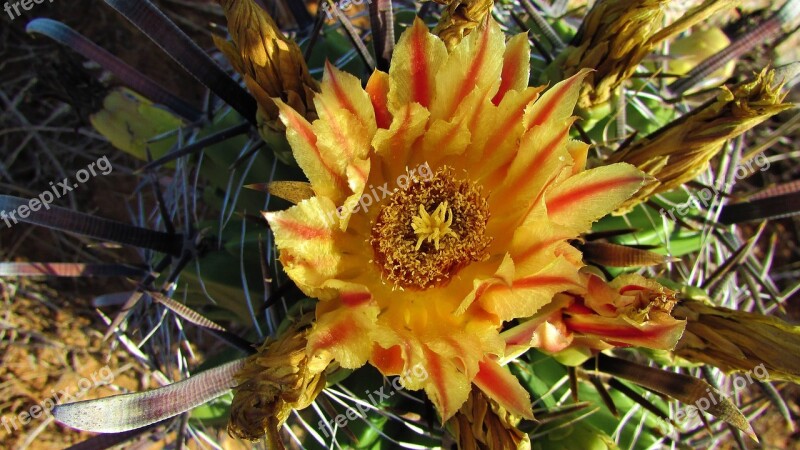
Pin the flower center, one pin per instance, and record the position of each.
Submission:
(430, 230)
(432, 227)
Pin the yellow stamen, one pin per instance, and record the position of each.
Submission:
(433, 227)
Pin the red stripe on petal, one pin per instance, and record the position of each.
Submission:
(483, 288)
(471, 79)
(503, 129)
(523, 333)
(498, 383)
(341, 135)
(546, 152)
(388, 360)
(353, 299)
(578, 308)
(420, 72)
(550, 148)
(631, 287)
(303, 128)
(537, 281)
(341, 95)
(403, 129)
(436, 374)
(333, 336)
(547, 109)
(505, 81)
(378, 90)
(552, 312)
(300, 230)
(511, 67)
(653, 336)
(605, 330)
(360, 172)
(536, 248)
(451, 135)
(522, 283)
(569, 198)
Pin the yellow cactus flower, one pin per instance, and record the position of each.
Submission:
(445, 196)
(680, 151)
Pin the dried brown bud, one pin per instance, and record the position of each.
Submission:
(459, 18)
(272, 383)
(739, 341)
(271, 65)
(482, 424)
(615, 37)
(680, 151)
